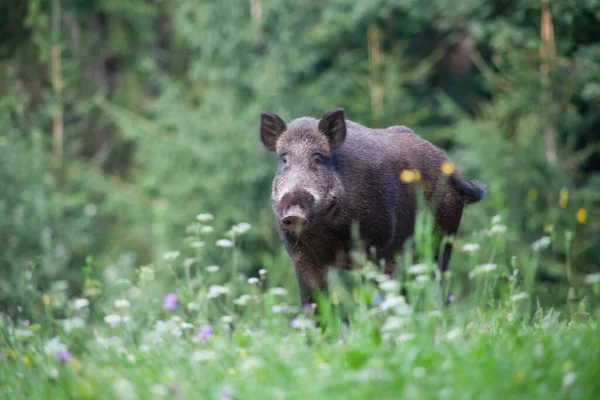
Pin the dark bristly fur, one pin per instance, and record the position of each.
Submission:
(334, 172)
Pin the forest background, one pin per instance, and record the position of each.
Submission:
(120, 121)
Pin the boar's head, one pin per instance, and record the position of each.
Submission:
(306, 184)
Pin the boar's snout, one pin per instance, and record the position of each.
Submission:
(297, 209)
(294, 222)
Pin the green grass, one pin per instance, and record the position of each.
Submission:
(492, 341)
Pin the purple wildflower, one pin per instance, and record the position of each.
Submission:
(451, 298)
(309, 308)
(295, 323)
(175, 389)
(226, 395)
(170, 301)
(205, 332)
(63, 355)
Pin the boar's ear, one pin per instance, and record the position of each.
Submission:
(333, 125)
(271, 126)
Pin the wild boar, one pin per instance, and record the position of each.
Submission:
(333, 173)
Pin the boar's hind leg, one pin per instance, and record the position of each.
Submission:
(448, 218)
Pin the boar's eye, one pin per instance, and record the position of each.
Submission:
(283, 158)
(319, 159)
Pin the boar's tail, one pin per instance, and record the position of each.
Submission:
(470, 191)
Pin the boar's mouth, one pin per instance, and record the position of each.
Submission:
(295, 221)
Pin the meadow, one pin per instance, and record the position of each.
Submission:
(180, 329)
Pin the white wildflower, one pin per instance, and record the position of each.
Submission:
(54, 346)
(240, 228)
(122, 303)
(227, 319)
(541, 243)
(405, 337)
(482, 269)
(78, 304)
(390, 286)
(253, 281)
(422, 279)
(22, 333)
(242, 300)
(212, 268)
(53, 373)
(207, 229)
(186, 325)
(193, 307)
(73, 323)
(171, 255)
(592, 278)
(496, 219)
(393, 323)
(453, 334)
(216, 291)
(497, 229)
(392, 302)
(197, 244)
(193, 228)
(519, 296)
(284, 308)
(470, 247)
(302, 323)
(568, 379)
(278, 291)
(159, 391)
(146, 273)
(224, 243)
(262, 272)
(113, 319)
(188, 262)
(419, 269)
(204, 217)
(203, 355)
(124, 389)
(250, 363)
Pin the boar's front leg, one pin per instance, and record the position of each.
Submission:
(310, 278)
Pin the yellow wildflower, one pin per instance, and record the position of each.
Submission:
(520, 377)
(581, 215)
(532, 195)
(335, 298)
(75, 365)
(231, 371)
(563, 200)
(447, 168)
(26, 361)
(410, 175)
(46, 299)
